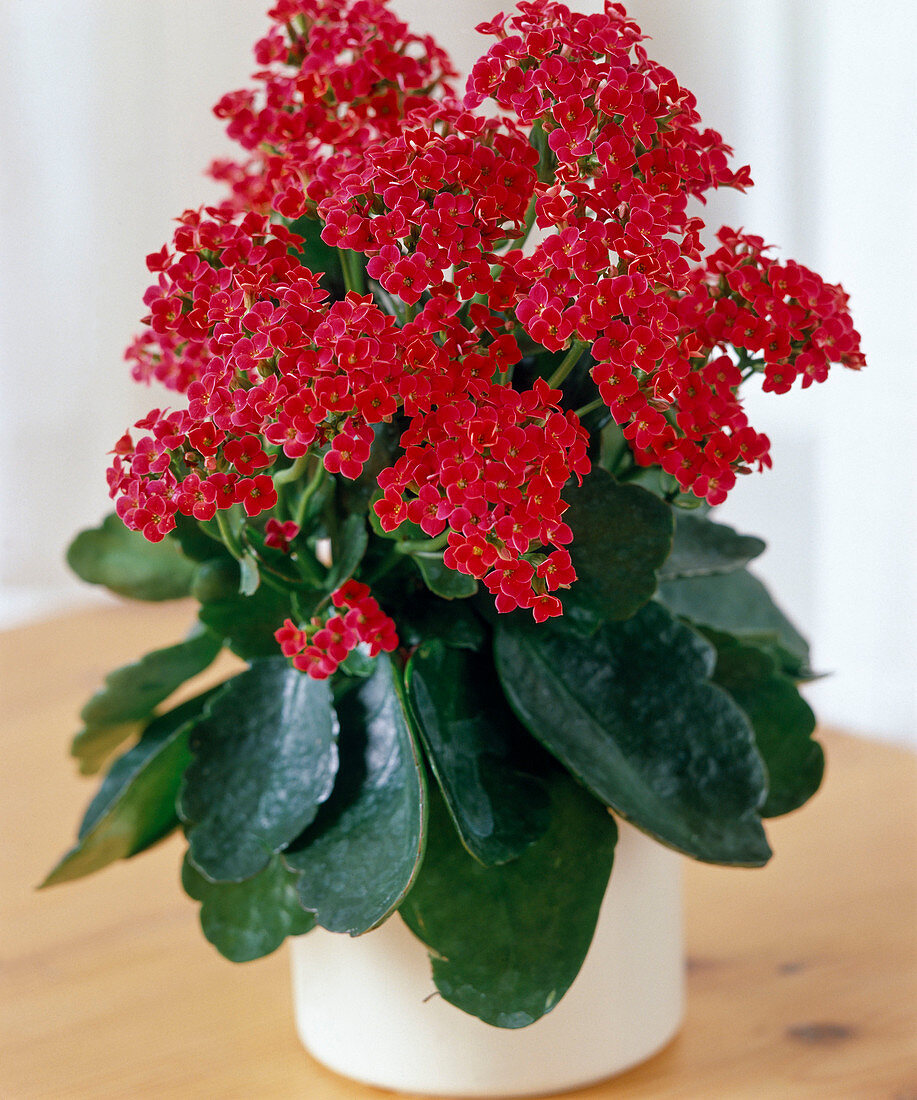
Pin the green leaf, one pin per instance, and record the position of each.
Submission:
(132, 692)
(249, 577)
(194, 540)
(250, 919)
(216, 579)
(317, 256)
(348, 545)
(93, 745)
(506, 942)
(442, 581)
(127, 564)
(360, 856)
(621, 535)
(735, 603)
(246, 624)
(477, 751)
(782, 720)
(135, 805)
(632, 714)
(265, 757)
(702, 547)
(425, 617)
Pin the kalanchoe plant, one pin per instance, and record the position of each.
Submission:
(442, 481)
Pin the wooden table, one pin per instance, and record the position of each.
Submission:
(801, 975)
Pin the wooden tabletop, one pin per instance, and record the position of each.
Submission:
(802, 976)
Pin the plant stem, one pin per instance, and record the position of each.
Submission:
(230, 540)
(318, 477)
(583, 409)
(352, 270)
(569, 362)
(292, 473)
(421, 546)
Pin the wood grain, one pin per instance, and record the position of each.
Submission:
(802, 976)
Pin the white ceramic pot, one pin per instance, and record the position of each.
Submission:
(364, 1006)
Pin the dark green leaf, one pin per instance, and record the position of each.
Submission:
(195, 542)
(735, 603)
(348, 545)
(131, 693)
(126, 563)
(265, 757)
(444, 582)
(782, 720)
(247, 920)
(481, 756)
(246, 624)
(360, 856)
(621, 536)
(216, 579)
(425, 616)
(506, 942)
(317, 256)
(135, 805)
(702, 547)
(632, 714)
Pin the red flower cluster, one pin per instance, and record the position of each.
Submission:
(320, 648)
(398, 209)
(337, 78)
(491, 470)
(600, 148)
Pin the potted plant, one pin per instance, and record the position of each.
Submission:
(458, 383)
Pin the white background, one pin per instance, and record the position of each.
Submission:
(104, 133)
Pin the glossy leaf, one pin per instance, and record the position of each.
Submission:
(478, 751)
(348, 545)
(360, 856)
(124, 562)
(701, 547)
(132, 692)
(506, 942)
(250, 919)
(246, 624)
(782, 720)
(632, 714)
(735, 603)
(265, 757)
(621, 535)
(135, 805)
(442, 581)
(425, 616)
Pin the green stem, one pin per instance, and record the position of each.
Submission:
(352, 270)
(229, 537)
(318, 477)
(569, 362)
(292, 473)
(584, 409)
(422, 546)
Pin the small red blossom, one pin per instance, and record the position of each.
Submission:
(319, 648)
(279, 535)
